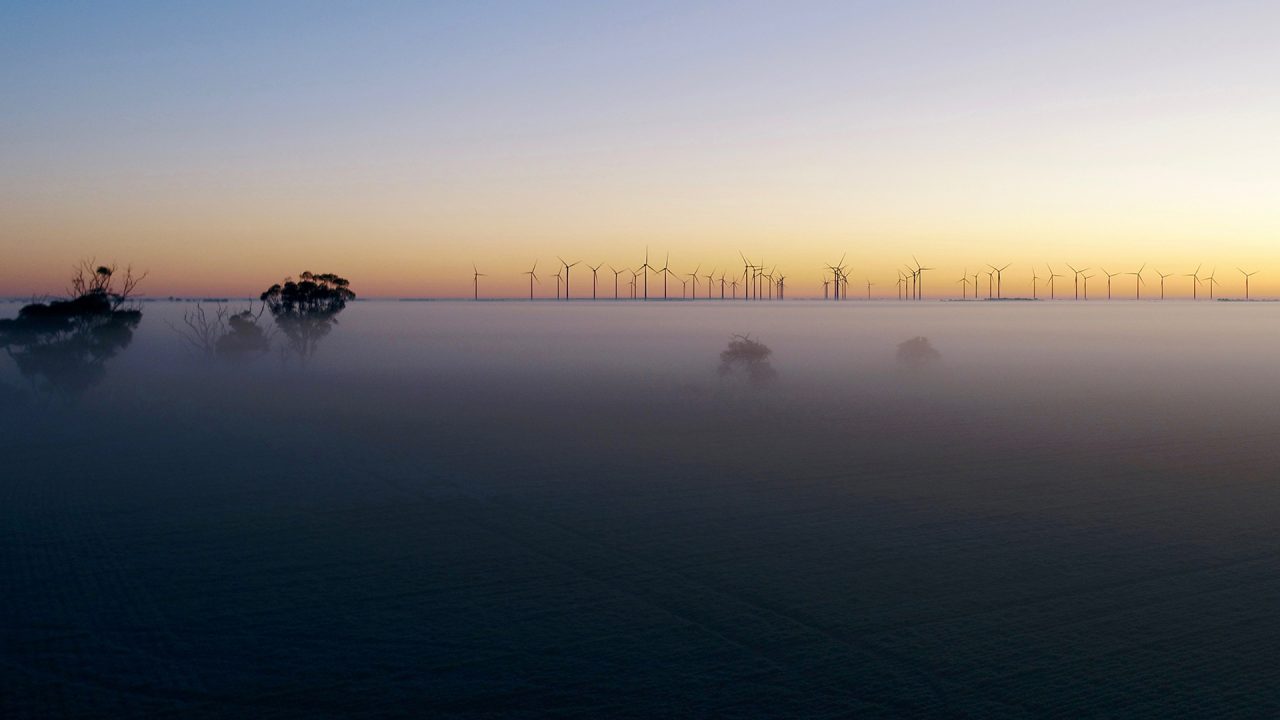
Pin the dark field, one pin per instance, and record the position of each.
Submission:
(507, 509)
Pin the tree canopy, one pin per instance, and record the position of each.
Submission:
(62, 346)
(306, 310)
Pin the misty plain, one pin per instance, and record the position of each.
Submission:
(609, 509)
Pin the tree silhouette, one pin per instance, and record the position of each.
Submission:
(62, 346)
(750, 356)
(917, 352)
(306, 310)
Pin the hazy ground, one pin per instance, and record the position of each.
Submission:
(485, 509)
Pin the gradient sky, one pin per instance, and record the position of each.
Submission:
(221, 146)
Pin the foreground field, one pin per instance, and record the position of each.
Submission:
(425, 522)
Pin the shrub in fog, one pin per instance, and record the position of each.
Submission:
(748, 357)
(917, 352)
(224, 334)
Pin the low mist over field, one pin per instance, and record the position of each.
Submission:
(505, 508)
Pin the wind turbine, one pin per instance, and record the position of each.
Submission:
(709, 276)
(1086, 285)
(991, 277)
(559, 279)
(1247, 275)
(826, 289)
(1139, 282)
(746, 266)
(1109, 276)
(593, 279)
(475, 280)
(1162, 277)
(666, 272)
(1034, 279)
(869, 284)
(533, 275)
(1195, 281)
(1077, 279)
(902, 281)
(920, 275)
(782, 286)
(722, 284)
(566, 274)
(684, 289)
(835, 277)
(963, 282)
(694, 276)
(733, 285)
(1052, 288)
(999, 279)
(616, 273)
(1212, 282)
(976, 286)
(635, 281)
(646, 267)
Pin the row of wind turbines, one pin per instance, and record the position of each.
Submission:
(757, 283)
(1079, 275)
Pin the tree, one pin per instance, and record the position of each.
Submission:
(751, 356)
(306, 310)
(62, 346)
(917, 352)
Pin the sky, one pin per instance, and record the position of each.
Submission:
(223, 146)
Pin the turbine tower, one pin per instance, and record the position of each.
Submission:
(1212, 282)
(999, 279)
(566, 274)
(593, 279)
(920, 278)
(1138, 282)
(475, 281)
(1162, 277)
(1077, 279)
(1247, 275)
(1195, 282)
(1052, 289)
(646, 267)
(694, 276)
(533, 275)
(1109, 276)
(616, 273)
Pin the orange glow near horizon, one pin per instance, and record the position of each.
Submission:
(1100, 136)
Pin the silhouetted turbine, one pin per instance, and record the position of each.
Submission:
(616, 273)
(1052, 288)
(566, 274)
(1109, 276)
(1195, 282)
(1247, 275)
(1139, 282)
(533, 276)
(593, 279)
(999, 279)
(1077, 278)
(1162, 277)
